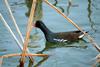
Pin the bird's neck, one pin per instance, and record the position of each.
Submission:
(45, 30)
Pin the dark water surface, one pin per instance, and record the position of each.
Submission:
(86, 13)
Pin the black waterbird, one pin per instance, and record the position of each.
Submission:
(60, 36)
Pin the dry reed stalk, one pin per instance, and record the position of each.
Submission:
(98, 58)
(19, 54)
(14, 21)
(16, 26)
(12, 33)
(29, 28)
(10, 55)
(1, 61)
(72, 22)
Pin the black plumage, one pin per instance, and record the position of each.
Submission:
(60, 36)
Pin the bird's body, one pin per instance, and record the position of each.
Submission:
(60, 36)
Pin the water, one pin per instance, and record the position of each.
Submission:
(85, 13)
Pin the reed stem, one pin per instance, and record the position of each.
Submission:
(20, 54)
(12, 33)
(16, 26)
(14, 21)
(1, 61)
(29, 28)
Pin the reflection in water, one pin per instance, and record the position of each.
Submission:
(76, 44)
(38, 12)
(89, 15)
(96, 4)
(41, 61)
(55, 4)
(38, 63)
(70, 5)
(35, 65)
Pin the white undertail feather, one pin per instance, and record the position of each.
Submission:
(81, 36)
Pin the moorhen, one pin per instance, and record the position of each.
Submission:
(60, 36)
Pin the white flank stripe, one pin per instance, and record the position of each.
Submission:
(60, 40)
